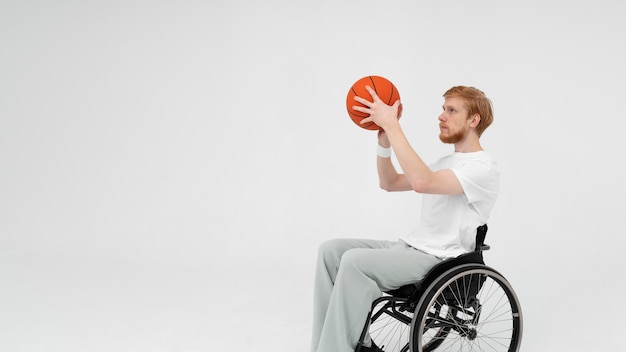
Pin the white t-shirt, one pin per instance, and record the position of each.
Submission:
(448, 223)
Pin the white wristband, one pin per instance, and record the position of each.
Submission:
(383, 152)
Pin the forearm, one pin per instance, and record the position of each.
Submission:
(417, 174)
(389, 178)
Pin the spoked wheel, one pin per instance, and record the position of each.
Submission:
(390, 325)
(469, 308)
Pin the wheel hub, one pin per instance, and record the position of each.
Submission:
(472, 334)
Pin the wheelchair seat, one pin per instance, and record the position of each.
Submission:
(413, 291)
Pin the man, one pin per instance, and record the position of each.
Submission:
(459, 192)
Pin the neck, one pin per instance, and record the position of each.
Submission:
(468, 145)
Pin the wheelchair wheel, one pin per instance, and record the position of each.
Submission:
(390, 324)
(468, 308)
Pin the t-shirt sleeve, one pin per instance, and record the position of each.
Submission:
(480, 179)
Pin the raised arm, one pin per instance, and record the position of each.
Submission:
(417, 175)
(390, 180)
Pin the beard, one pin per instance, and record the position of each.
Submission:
(454, 137)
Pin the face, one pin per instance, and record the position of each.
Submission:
(453, 121)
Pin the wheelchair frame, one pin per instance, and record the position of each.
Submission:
(460, 305)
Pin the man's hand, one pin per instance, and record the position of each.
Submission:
(380, 113)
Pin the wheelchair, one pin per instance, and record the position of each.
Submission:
(460, 305)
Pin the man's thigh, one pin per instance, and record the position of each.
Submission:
(391, 267)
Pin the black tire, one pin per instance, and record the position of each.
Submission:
(471, 307)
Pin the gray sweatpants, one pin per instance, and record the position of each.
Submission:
(350, 275)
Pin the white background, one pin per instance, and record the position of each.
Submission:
(168, 168)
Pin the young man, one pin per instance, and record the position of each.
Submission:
(459, 192)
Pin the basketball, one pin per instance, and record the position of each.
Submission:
(385, 90)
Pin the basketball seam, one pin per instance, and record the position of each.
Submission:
(365, 125)
(355, 114)
(391, 95)
(358, 113)
(393, 88)
(373, 83)
(351, 110)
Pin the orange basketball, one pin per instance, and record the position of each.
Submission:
(385, 90)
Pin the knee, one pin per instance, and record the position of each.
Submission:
(333, 248)
(353, 258)
(328, 256)
(355, 270)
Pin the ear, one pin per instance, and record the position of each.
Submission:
(474, 120)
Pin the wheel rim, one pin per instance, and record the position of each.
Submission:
(477, 309)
